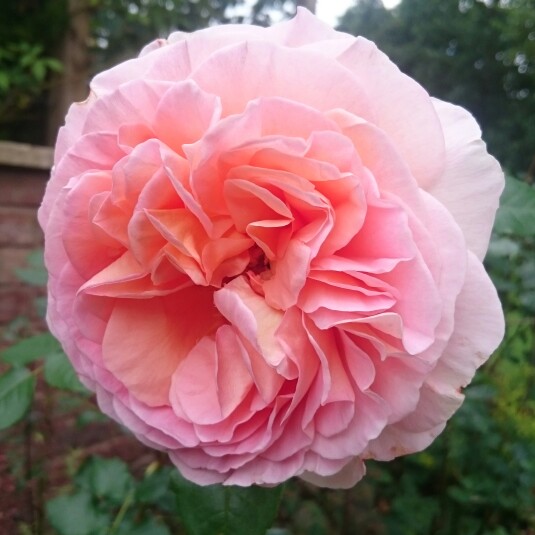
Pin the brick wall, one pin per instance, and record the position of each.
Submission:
(24, 170)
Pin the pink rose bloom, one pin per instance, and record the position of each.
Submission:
(265, 248)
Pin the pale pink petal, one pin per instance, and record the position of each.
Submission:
(254, 69)
(69, 134)
(344, 478)
(473, 180)
(91, 152)
(88, 252)
(184, 114)
(479, 330)
(132, 102)
(167, 63)
(406, 113)
(378, 153)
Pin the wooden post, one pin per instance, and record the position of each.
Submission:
(72, 83)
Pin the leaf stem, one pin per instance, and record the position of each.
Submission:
(122, 511)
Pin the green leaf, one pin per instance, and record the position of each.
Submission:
(35, 273)
(59, 373)
(106, 478)
(30, 349)
(39, 70)
(76, 515)
(152, 489)
(225, 510)
(517, 209)
(150, 526)
(54, 64)
(4, 81)
(32, 276)
(16, 394)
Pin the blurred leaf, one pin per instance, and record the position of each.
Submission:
(153, 488)
(150, 526)
(90, 416)
(54, 64)
(503, 247)
(517, 209)
(35, 273)
(30, 349)
(4, 81)
(39, 70)
(16, 394)
(225, 510)
(40, 305)
(59, 373)
(312, 519)
(106, 478)
(77, 515)
(32, 276)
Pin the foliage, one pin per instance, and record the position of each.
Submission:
(473, 53)
(17, 384)
(23, 72)
(31, 33)
(34, 21)
(225, 510)
(16, 389)
(122, 27)
(105, 498)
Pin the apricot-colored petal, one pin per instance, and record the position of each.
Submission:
(384, 235)
(184, 114)
(87, 251)
(288, 276)
(248, 202)
(213, 379)
(161, 328)
(252, 317)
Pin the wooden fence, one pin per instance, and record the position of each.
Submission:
(24, 170)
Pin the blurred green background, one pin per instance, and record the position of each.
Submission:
(65, 469)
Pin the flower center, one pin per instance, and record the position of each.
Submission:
(259, 263)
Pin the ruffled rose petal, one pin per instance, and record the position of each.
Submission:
(162, 330)
(472, 201)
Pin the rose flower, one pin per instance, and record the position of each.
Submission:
(264, 249)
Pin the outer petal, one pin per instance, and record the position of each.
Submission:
(479, 328)
(472, 181)
(401, 107)
(346, 478)
(248, 70)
